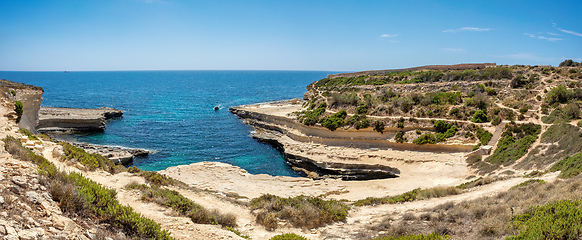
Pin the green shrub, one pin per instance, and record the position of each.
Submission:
(184, 206)
(288, 236)
(362, 109)
(334, 121)
(18, 108)
(311, 117)
(559, 94)
(425, 138)
(529, 182)
(29, 134)
(496, 121)
(415, 194)
(484, 136)
(418, 131)
(78, 194)
(569, 166)
(378, 126)
(432, 236)
(455, 112)
(514, 143)
(400, 124)
(157, 179)
(399, 137)
(91, 161)
(557, 220)
(480, 117)
(300, 211)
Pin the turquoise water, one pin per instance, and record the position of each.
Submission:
(171, 112)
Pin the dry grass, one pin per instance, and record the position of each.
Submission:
(488, 217)
(301, 211)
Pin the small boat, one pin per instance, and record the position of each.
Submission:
(216, 108)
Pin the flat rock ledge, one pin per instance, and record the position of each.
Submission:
(52, 119)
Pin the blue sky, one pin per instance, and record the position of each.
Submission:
(83, 35)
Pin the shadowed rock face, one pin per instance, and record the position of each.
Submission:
(345, 171)
(75, 119)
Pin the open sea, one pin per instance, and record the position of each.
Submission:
(171, 112)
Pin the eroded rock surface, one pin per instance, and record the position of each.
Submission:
(75, 119)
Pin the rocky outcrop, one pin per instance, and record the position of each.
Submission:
(75, 119)
(31, 100)
(345, 171)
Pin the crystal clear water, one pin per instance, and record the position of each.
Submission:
(171, 112)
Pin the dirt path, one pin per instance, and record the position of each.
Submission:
(362, 218)
(179, 227)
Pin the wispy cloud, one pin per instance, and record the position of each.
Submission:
(388, 35)
(467, 29)
(570, 32)
(453, 49)
(553, 34)
(551, 39)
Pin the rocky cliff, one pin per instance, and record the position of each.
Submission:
(75, 119)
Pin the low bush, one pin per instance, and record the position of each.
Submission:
(311, 117)
(378, 126)
(300, 211)
(569, 166)
(362, 109)
(288, 236)
(557, 220)
(432, 236)
(480, 117)
(529, 182)
(496, 121)
(416, 194)
(91, 161)
(514, 143)
(79, 195)
(484, 136)
(425, 138)
(29, 134)
(184, 206)
(399, 137)
(334, 121)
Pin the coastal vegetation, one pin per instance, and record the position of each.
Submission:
(28, 134)
(183, 205)
(535, 210)
(80, 196)
(300, 211)
(90, 161)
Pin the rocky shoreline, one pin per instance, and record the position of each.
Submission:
(342, 171)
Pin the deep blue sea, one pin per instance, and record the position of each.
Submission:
(171, 112)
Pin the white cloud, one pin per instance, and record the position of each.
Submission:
(542, 37)
(467, 29)
(570, 32)
(553, 34)
(388, 35)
